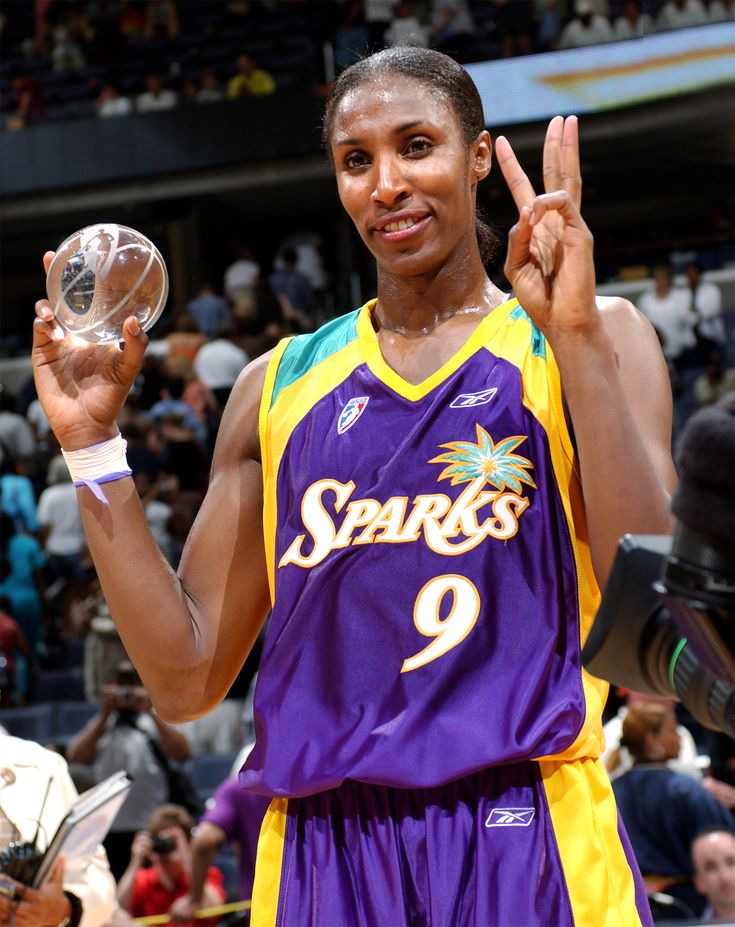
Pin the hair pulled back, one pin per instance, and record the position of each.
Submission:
(439, 74)
(639, 721)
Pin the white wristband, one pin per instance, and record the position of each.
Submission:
(100, 463)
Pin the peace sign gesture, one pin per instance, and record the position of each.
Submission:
(549, 263)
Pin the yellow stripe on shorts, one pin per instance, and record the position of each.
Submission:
(269, 864)
(585, 819)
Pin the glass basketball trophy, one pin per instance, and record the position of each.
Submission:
(101, 275)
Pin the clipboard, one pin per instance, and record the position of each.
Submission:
(86, 823)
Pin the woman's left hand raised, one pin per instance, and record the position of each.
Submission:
(550, 260)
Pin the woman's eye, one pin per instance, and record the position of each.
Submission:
(355, 159)
(418, 146)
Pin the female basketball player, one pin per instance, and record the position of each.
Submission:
(429, 491)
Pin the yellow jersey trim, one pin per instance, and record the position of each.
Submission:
(370, 348)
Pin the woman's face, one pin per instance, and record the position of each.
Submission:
(405, 175)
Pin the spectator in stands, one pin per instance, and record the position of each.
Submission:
(706, 307)
(294, 293)
(715, 382)
(681, 14)
(617, 759)
(186, 338)
(633, 23)
(452, 25)
(38, 421)
(171, 403)
(110, 102)
(210, 90)
(17, 496)
(156, 97)
(513, 27)
(30, 103)
(62, 536)
(550, 15)
(161, 20)
(16, 435)
(103, 649)
(127, 734)
(21, 582)
(219, 363)
(158, 512)
(406, 28)
(586, 28)
(234, 816)
(249, 80)
(160, 868)
(131, 20)
(720, 11)
(378, 15)
(713, 861)
(209, 310)
(15, 657)
(351, 34)
(667, 309)
(66, 52)
(242, 276)
(81, 890)
(662, 810)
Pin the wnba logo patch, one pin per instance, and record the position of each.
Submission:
(351, 412)
(510, 817)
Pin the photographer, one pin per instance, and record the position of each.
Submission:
(159, 870)
(81, 890)
(121, 736)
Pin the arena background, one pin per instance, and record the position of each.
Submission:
(658, 175)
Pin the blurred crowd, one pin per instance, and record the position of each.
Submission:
(115, 57)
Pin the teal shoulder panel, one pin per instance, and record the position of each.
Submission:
(306, 351)
(538, 342)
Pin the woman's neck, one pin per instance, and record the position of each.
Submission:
(416, 306)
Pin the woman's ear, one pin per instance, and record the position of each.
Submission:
(481, 156)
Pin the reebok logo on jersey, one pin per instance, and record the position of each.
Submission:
(351, 412)
(510, 817)
(469, 400)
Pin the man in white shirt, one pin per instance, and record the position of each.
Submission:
(82, 894)
(218, 364)
(587, 28)
(667, 309)
(706, 306)
(681, 14)
(156, 97)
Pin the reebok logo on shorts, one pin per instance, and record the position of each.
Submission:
(510, 817)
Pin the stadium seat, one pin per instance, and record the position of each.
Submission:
(32, 722)
(59, 685)
(209, 770)
(71, 718)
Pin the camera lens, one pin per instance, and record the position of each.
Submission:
(163, 845)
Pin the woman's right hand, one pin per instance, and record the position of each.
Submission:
(82, 386)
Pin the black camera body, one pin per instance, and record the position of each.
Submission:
(20, 861)
(163, 845)
(666, 625)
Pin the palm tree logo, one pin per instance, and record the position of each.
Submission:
(493, 463)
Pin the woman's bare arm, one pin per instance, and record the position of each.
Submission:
(188, 634)
(617, 391)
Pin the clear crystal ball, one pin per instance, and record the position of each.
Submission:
(101, 275)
